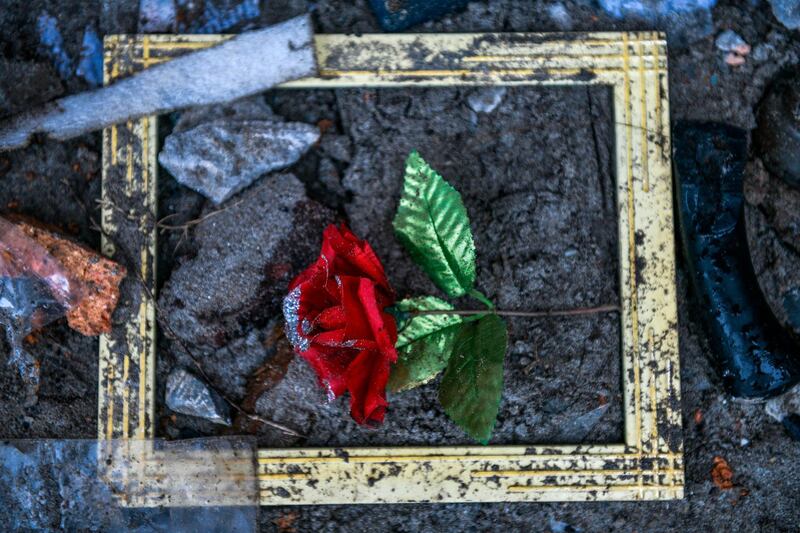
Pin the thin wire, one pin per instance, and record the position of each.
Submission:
(528, 314)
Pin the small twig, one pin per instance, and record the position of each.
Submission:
(527, 314)
(194, 222)
(103, 203)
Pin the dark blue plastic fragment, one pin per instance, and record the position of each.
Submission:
(756, 357)
(396, 15)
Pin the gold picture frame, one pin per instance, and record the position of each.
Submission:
(647, 465)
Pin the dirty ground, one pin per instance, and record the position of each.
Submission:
(545, 235)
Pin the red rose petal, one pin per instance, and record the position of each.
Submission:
(367, 376)
(377, 320)
(338, 307)
(332, 318)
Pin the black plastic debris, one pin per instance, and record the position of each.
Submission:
(396, 15)
(756, 357)
(777, 137)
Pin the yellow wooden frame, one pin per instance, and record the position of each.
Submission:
(647, 465)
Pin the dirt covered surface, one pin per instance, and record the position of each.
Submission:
(536, 176)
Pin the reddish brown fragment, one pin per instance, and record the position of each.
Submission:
(286, 523)
(92, 313)
(722, 473)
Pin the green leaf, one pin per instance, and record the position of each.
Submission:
(424, 342)
(473, 381)
(433, 225)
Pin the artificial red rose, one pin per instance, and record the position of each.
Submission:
(336, 320)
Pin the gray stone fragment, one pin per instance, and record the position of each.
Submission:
(486, 100)
(787, 12)
(329, 176)
(187, 395)
(296, 401)
(220, 158)
(245, 257)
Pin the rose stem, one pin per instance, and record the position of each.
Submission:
(528, 314)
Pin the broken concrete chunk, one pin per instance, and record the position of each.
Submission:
(295, 401)
(221, 158)
(246, 256)
(791, 304)
(328, 175)
(785, 404)
(247, 64)
(187, 395)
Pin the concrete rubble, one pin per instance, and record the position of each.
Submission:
(245, 256)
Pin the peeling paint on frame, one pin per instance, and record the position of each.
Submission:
(648, 465)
